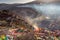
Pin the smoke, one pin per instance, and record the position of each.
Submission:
(35, 22)
(49, 12)
(46, 14)
(31, 22)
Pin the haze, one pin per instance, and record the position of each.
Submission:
(15, 1)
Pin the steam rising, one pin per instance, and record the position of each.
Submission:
(49, 12)
(31, 22)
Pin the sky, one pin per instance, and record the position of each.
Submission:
(15, 1)
(26, 1)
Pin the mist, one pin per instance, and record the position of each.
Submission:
(46, 13)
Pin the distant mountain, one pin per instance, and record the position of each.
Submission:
(7, 6)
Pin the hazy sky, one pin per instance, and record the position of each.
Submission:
(15, 1)
(25, 1)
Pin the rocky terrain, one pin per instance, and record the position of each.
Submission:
(29, 13)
